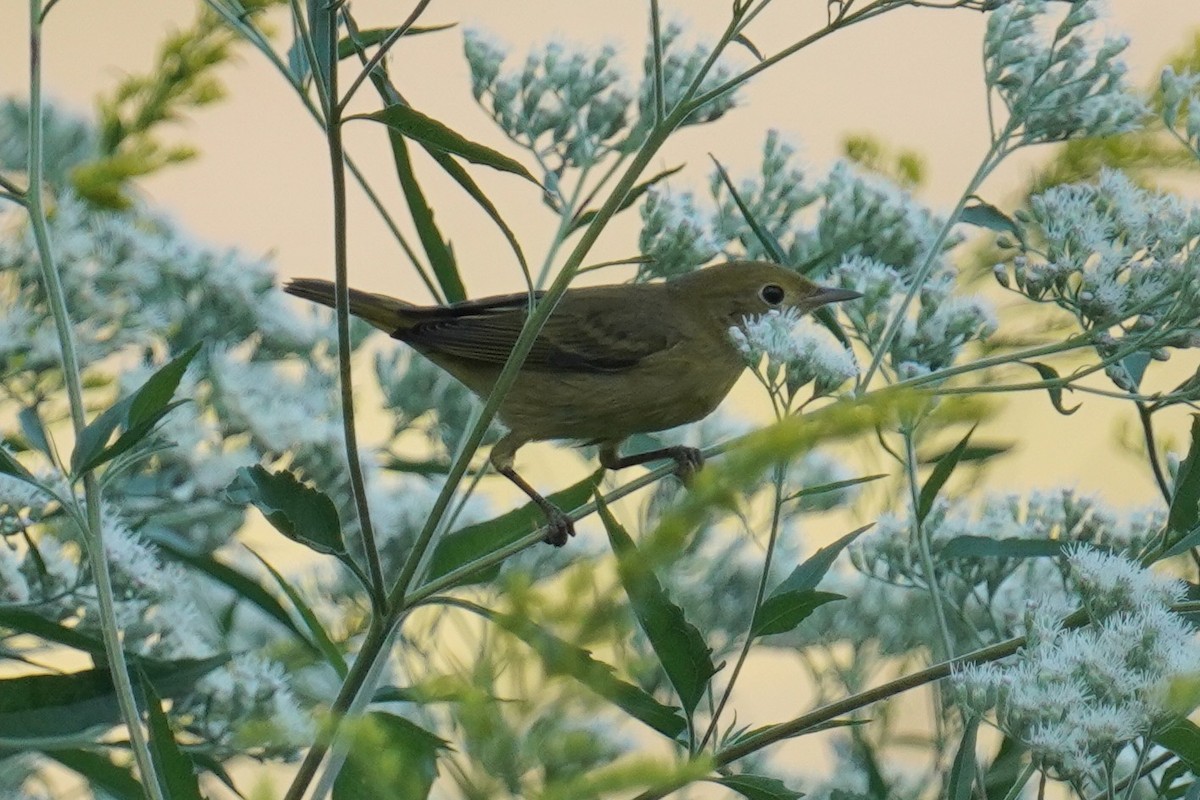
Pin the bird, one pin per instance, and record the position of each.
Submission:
(610, 361)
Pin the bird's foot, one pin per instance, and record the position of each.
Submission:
(559, 527)
(688, 461)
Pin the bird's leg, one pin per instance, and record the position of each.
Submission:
(558, 525)
(688, 460)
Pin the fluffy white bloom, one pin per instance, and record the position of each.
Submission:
(675, 235)
(797, 350)
(1113, 582)
(13, 587)
(1058, 84)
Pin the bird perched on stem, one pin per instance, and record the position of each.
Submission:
(611, 361)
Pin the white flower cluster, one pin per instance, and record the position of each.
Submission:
(1058, 86)
(567, 103)
(675, 236)
(1076, 698)
(797, 352)
(1124, 260)
(576, 105)
(679, 70)
(869, 216)
(1181, 92)
(247, 706)
(939, 324)
(775, 197)
(992, 591)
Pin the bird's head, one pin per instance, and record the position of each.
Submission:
(730, 292)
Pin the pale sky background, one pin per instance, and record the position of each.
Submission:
(912, 78)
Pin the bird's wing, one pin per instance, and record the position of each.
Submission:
(588, 331)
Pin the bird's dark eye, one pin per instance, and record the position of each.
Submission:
(772, 294)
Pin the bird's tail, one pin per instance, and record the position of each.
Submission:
(386, 313)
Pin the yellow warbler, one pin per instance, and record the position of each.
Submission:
(611, 361)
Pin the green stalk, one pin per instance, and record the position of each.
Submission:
(337, 158)
(922, 536)
(993, 157)
(93, 534)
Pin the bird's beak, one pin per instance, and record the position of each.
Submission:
(827, 294)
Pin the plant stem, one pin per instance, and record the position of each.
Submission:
(921, 534)
(994, 155)
(93, 534)
(1144, 414)
(337, 159)
(773, 537)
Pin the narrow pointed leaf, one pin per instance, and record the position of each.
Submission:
(765, 237)
(1182, 738)
(582, 220)
(244, 586)
(177, 771)
(680, 648)
(563, 658)
(986, 547)
(137, 414)
(758, 787)
(34, 431)
(10, 466)
(18, 619)
(1049, 373)
(1185, 500)
(321, 15)
(388, 756)
(962, 773)
(369, 37)
(301, 513)
(100, 773)
(796, 597)
(941, 473)
(64, 704)
(332, 654)
(437, 249)
(471, 543)
(986, 215)
(464, 179)
(745, 42)
(428, 131)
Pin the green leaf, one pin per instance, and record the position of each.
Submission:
(18, 619)
(441, 257)
(321, 19)
(176, 770)
(758, 787)
(765, 237)
(464, 179)
(749, 45)
(315, 629)
(10, 466)
(833, 486)
(583, 219)
(100, 773)
(431, 133)
(387, 756)
(136, 414)
(1006, 768)
(986, 547)
(368, 37)
(962, 773)
(796, 597)
(1182, 738)
(245, 587)
(562, 658)
(986, 215)
(941, 473)
(1135, 364)
(1185, 500)
(301, 513)
(976, 452)
(34, 431)
(63, 704)
(1049, 373)
(680, 648)
(469, 544)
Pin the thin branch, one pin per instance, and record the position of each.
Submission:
(380, 54)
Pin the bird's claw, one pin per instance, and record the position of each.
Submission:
(559, 527)
(688, 461)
